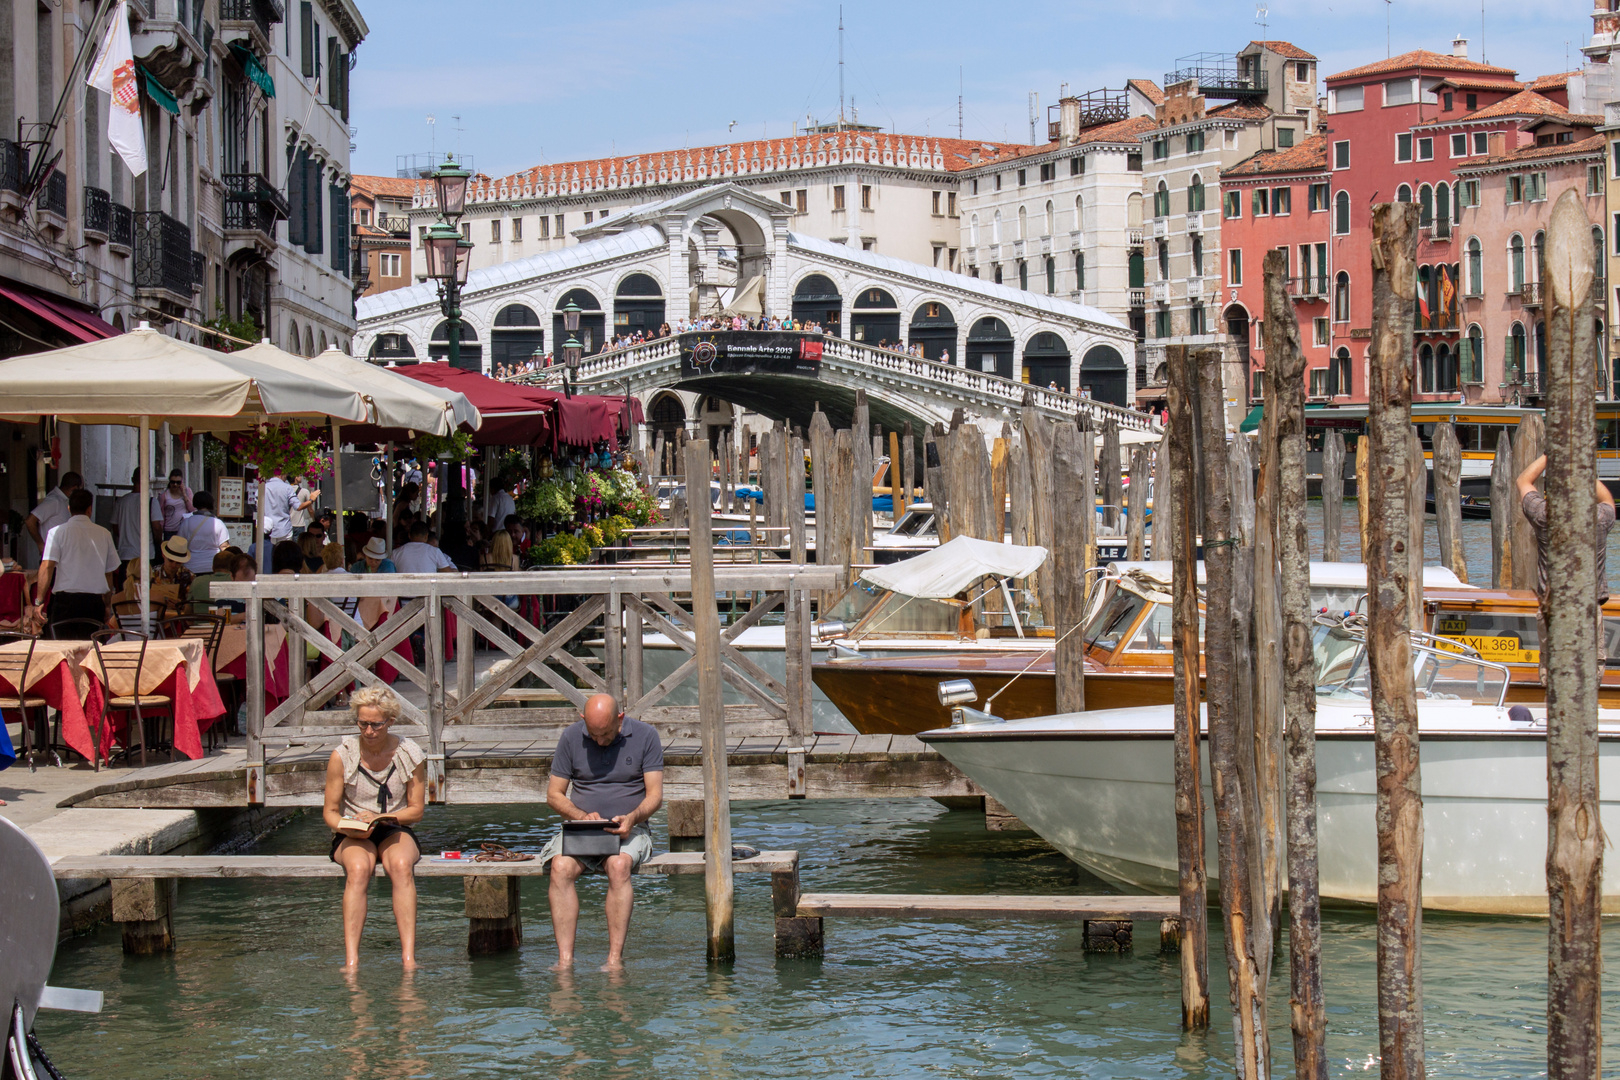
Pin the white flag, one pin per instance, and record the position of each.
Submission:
(113, 73)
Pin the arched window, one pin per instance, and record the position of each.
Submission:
(1161, 200)
(1538, 248)
(1051, 218)
(1051, 275)
(1341, 214)
(1541, 346)
(1597, 251)
(1473, 355)
(1195, 194)
(1023, 224)
(1339, 373)
(1425, 369)
(1513, 362)
(1476, 267)
(1403, 193)
(1427, 316)
(295, 344)
(1516, 266)
(1023, 274)
(1079, 213)
(1425, 206)
(1133, 209)
(1079, 270)
(995, 228)
(1445, 369)
(1442, 209)
(973, 231)
(1341, 297)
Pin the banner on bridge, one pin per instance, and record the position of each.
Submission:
(741, 352)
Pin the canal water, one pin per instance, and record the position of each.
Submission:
(253, 989)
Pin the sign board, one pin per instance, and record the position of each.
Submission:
(241, 533)
(230, 497)
(729, 352)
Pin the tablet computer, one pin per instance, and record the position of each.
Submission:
(589, 838)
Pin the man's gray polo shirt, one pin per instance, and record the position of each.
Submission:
(608, 780)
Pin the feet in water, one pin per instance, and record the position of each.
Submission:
(613, 967)
(564, 963)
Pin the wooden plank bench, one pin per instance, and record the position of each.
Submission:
(1106, 921)
(143, 887)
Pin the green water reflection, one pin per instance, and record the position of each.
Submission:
(254, 991)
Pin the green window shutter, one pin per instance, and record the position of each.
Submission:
(295, 199)
(306, 38)
(314, 241)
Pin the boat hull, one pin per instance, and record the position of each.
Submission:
(1108, 802)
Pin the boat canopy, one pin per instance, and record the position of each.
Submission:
(1329, 575)
(954, 566)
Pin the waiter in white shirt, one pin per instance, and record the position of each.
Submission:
(501, 505)
(77, 568)
(53, 509)
(419, 556)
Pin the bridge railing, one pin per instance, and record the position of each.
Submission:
(643, 361)
(474, 702)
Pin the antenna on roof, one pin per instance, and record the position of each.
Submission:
(840, 67)
(458, 130)
(1261, 13)
(958, 101)
(433, 142)
(1388, 52)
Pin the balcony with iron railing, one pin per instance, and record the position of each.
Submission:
(394, 224)
(253, 204)
(163, 255)
(1219, 75)
(1308, 287)
(1530, 294)
(13, 173)
(97, 211)
(120, 226)
(244, 15)
(54, 199)
(1437, 322)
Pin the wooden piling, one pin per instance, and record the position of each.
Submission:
(1417, 480)
(1448, 499)
(717, 883)
(1332, 493)
(1020, 498)
(1136, 519)
(1161, 543)
(1285, 409)
(908, 464)
(1528, 443)
(494, 914)
(686, 824)
(860, 540)
(1086, 520)
(143, 908)
(1504, 508)
(1570, 611)
(1395, 724)
(1232, 825)
(840, 504)
(1175, 508)
(1071, 495)
(898, 495)
(999, 484)
(1036, 431)
(821, 449)
(793, 484)
(1110, 480)
(1363, 453)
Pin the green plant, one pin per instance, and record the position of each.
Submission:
(289, 450)
(551, 502)
(593, 536)
(245, 329)
(564, 549)
(216, 455)
(614, 528)
(457, 447)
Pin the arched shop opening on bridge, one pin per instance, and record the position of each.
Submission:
(516, 337)
(392, 349)
(934, 328)
(1102, 374)
(638, 306)
(1046, 361)
(472, 353)
(592, 322)
(816, 299)
(667, 415)
(875, 318)
(990, 347)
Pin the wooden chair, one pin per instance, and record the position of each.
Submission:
(131, 661)
(209, 629)
(14, 667)
(127, 613)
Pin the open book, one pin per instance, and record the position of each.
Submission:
(361, 828)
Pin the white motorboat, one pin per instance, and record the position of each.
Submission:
(1100, 785)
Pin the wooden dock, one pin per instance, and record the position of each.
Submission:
(516, 771)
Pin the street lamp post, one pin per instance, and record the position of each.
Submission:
(571, 348)
(447, 253)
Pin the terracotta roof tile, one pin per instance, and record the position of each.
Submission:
(1592, 145)
(1148, 89)
(1240, 110)
(1423, 58)
(1559, 81)
(1123, 131)
(1464, 82)
(390, 186)
(1524, 103)
(1285, 48)
(1308, 156)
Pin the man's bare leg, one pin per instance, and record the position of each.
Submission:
(621, 898)
(565, 870)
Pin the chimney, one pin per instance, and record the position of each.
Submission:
(973, 156)
(1068, 121)
(1496, 143)
(1459, 48)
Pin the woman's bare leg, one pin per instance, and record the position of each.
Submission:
(359, 861)
(399, 855)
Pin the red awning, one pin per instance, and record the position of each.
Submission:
(78, 324)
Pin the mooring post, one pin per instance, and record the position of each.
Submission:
(1111, 481)
(908, 464)
(794, 488)
(1363, 454)
(1504, 508)
(1332, 493)
(796, 936)
(1136, 516)
(717, 883)
(1389, 646)
(143, 909)
(898, 495)
(494, 914)
(861, 486)
(1528, 442)
(1448, 499)
(686, 824)
(1572, 616)
(1177, 501)
(1073, 501)
(255, 699)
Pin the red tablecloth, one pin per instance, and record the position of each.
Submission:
(78, 699)
(275, 671)
(195, 697)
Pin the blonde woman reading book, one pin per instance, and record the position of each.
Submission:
(376, 788)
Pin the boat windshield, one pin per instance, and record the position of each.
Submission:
(859, 599)
(1114, 618)
(1437, 674)
(913, 524)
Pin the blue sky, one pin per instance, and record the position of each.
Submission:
(535, 83)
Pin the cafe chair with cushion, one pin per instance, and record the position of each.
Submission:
(208, 629)
(14, 667)
(116, 663)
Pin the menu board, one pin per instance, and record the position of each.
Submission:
(230, 496)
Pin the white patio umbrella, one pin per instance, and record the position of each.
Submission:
(401, 402)
(145, 377)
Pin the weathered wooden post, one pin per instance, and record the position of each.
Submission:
(494, 910)
(1037, 434)
(908, 464)
(1111, 481)
(840, 503)
(1232, 813)
(1504, 508)
(935, 451)
(1136, 519)
(1332, 493)
(793, 484)
(1448, 499)
(821, 448)
(1161, 491)
(861, 485)
(143, 908)
(1285, 409)
(1389, 647)
(1363, 454)
(1572, 614)
(1528, 443)
(1175, 508)
(898, 496)
(723, 452)
(999, 484)
(717, 883)
(1020, 499)
(1071, 495)
(1417, 480)
(1087, 521)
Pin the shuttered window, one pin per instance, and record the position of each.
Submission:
(296, 167)
(340, 229)
(314, 237)
(306, 38)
